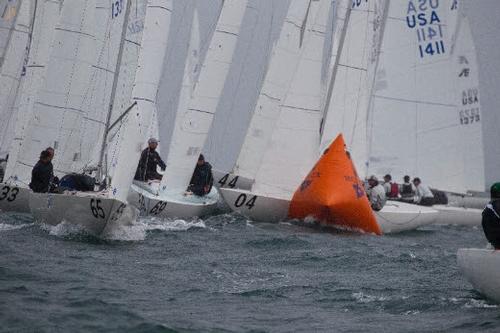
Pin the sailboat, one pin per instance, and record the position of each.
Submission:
(14, 189)
(274, 156)
(344, 112)
(197, 105)
(95, 210)
(481, 268)
(416, 87)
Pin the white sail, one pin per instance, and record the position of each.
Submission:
(194, 119)
(293, 147)
(414, 113)
(485, 26)
(57, 111)
(134, 129)
(47, 16)
(97, 102)
(170, 181)
(8, 13)
(11, 71)
(283, 64)
(347, 107)
(466, 79)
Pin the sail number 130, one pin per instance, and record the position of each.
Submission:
(116, 8)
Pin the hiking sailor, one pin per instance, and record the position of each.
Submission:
(407, 190)
(423, 195)
(376, 193)
(491, 217)
(150, 159)
(42, 173)
(202, 179)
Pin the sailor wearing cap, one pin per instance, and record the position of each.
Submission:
(150, 159)
(376, 193)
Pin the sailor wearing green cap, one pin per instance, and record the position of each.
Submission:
(491, 217)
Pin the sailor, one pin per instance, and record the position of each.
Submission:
(376, 193)
(390, 187)
(407, 190)
(423, 194)
(42, 173)
(150, 159)
(202, 179)
(491, 217)
(3, 166)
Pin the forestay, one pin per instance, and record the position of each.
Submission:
(12, 68)
(136, 123)
(416, 126)
(293, 147)
(282, 66)
(47, 16)
(346, 110)
(199, 99)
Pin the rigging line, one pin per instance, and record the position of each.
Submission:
(404, 100)
(370, 114)
(335, 68)
(365, 52)
(113, 94)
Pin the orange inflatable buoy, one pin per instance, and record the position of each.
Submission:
(333, 194)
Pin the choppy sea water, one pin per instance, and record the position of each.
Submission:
(225, 274)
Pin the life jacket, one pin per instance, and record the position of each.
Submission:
(490, 207)
(394, 191)
(407, 190)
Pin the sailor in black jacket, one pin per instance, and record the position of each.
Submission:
(202, 179)
(146, 170)
(491, 217)
(42, 173)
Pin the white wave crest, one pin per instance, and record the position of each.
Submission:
(8, 227)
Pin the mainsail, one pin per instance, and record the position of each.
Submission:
(416, 127)
(199, 98)
(283, 64)
(12, 69)
(47, 16)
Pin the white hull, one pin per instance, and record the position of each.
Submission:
(458, 215)
(399, 216)
(395, 217)
(258, 208)
(481, 268)
(14, 198)
(90, 210)
(143, 196)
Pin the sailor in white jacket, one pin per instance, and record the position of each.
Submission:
(423, 195)
(376, 194)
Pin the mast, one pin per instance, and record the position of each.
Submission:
(335, 68)
(113, 93)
